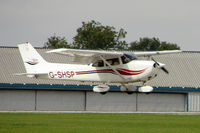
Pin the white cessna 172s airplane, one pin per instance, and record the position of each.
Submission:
(96, 66)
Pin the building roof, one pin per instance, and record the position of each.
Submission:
(184, 69)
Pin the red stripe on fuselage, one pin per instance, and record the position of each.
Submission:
(122, 71)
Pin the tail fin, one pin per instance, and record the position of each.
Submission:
(33, 61)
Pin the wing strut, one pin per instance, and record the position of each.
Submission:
(107, 63)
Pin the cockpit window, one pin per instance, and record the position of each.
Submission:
(128, 57)
(114, 61)
(99, 63)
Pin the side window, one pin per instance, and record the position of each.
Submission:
(98, 64)
(114, 61)
(125, 59)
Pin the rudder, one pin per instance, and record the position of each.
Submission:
(31, 58)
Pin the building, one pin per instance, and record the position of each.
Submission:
(178, 91)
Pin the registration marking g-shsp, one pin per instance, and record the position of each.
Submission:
(61, 74)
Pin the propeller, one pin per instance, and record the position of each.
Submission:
(165, 70)
(161, 67)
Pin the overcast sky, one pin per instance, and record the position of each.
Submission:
(176, 21)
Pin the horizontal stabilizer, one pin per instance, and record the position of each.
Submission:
(29, 74)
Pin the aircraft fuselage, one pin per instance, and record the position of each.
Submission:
(134, 71)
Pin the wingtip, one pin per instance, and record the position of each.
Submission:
(55, 50)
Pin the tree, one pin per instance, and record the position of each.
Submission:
(169, 46)
(56, 42)
(93, 35)
(152, 44)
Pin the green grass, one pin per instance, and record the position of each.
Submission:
(98, 123)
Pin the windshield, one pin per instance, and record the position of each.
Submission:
(131, 56)
(128, 57)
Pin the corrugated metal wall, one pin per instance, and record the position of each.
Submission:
(89, 101)
(60, 100)
(161, 102)
(184, 69)
(17, 100)
(41, 100)
(194, 101)
(111, 102)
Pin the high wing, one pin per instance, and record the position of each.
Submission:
(86, 56)
(149, 53)
(91, 56)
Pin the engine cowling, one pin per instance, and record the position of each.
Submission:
(101, 88)
(145, 89)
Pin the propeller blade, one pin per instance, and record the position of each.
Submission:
(165, 70)
(157, 64)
